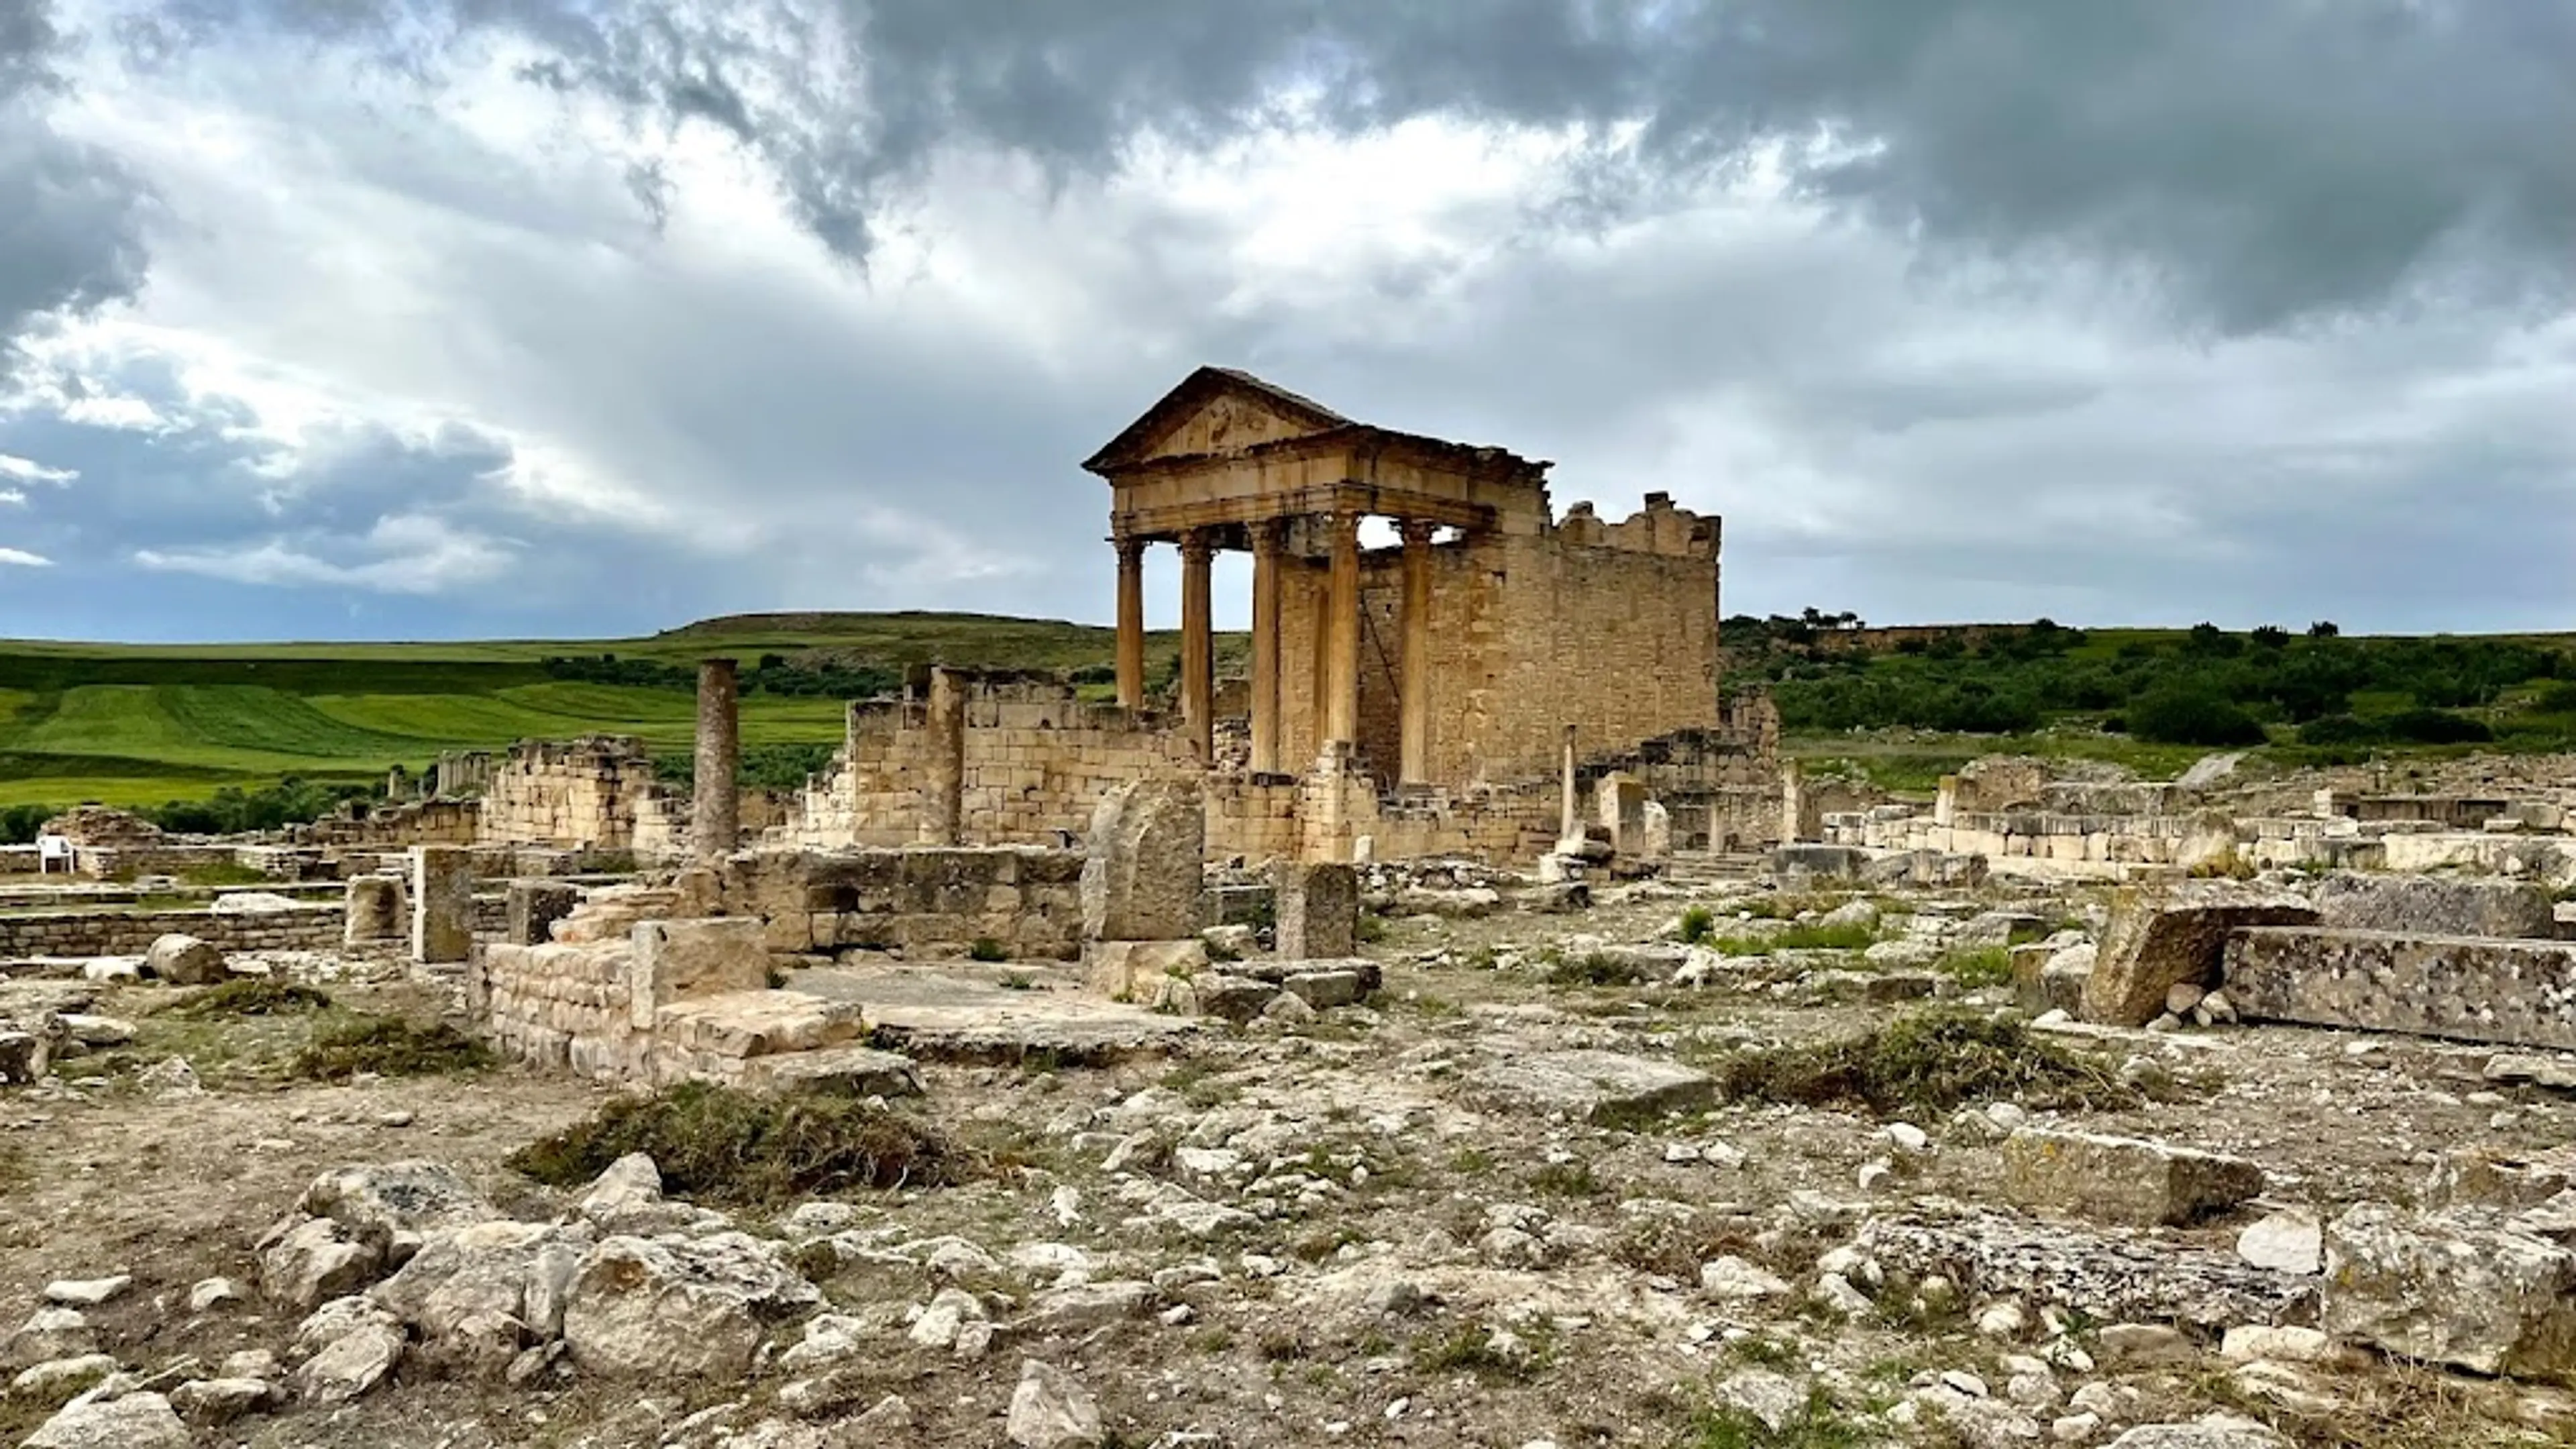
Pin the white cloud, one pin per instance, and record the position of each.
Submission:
(409, 554)
(27, 470)
(20, 558)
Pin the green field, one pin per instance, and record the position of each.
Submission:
(150, 724)
(146, 724)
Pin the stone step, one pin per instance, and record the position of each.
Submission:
(747, 1024)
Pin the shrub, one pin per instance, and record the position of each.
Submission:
(750, 1149)
(388, 1046)
(985, 948)
(253, 996)
(2556, 699)
(2341, 729)
(1698, 923)
(1932, 1061)
(2438, 727)
(2190, 716)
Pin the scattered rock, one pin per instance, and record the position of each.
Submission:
(2144, 1345)
(135, 1421)
(1593, 1085)
(645, 1308)
(220, 1401)
(1052, 1410)
(50, 1333)
(2286, 1242)
(1735, 1280)
(2218, 1431)
(185, 961)
(355, 1345)
(2456, 1287)
(57, 1381)
(87, 1292)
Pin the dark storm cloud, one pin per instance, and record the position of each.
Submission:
(70, 217)
(2260, 160)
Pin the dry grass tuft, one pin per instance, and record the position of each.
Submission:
(1932, 1061)
(745, 1149)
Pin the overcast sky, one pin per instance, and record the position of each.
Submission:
(366, 318)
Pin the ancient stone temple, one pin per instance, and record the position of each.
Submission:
(1414, 699)
(1456, 658)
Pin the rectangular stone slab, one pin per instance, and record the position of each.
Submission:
(2466, 988)
(1592, 1085)
(2124, 1180)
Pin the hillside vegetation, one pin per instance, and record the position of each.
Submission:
(241, 736)
(1909, 704)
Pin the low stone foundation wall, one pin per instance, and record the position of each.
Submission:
(2484, 989)
(923, 901)
(669, 1001)
(314, 927)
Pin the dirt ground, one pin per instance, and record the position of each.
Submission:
(1391, 1256)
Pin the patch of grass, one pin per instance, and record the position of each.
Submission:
(986, 948)
(1566, 1179)
(1019, 981)
(1764, 1352)
(1470, 1349)
(1372, 928)
(388, 1046)
(1817, 1425)
(1982, 966)
(1593, 968)
(2395, 1407)
(1808, 936)
(745, 1149)
(1471, 1161)
(14, 1171)
(1698, 924)
(1931, 1061)
(252, 996)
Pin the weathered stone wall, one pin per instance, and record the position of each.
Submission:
(1609, 627)
(922, 902)
(582, 792)
(1035, 761)
(392, 827)
(315, 927)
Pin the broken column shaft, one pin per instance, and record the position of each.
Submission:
(716, 815)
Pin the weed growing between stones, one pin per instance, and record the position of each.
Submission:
(986, 948)
(1810, 936)
(1931, 1061)
(1593, 969)
(743, 1149)
(388, 1046)
(253, 996)
(1984, 966)
(1698, 924)
(1816, 1425)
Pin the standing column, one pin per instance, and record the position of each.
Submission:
(1131, 622)
(1342, 627)
(945, 724)
(1198, 648)
(1269, 539)
(1414, 691)
(716, 810)
(1570, 826)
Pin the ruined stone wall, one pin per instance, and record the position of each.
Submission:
(923, 902)
(1253, 818)
(394, 827)
(1034, 760)
(583, 792)
(315, 927)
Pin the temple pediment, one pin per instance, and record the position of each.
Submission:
(1214, 413)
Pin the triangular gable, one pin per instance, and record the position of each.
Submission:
(1215, 410)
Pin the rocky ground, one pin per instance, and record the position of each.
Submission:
(1520, 1197)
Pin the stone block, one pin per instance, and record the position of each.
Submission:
(2047, 978)
(1595, 1086)
(1324, 989)
(1135, 970)
(535, 906)
(678, 959)
(2160, 939)
(2422, 905)
(374, 910)
(1141, 875)
(2456, 1288)
(442, 903)
(1318, 910)
(2514, 993)
(2123, 1180)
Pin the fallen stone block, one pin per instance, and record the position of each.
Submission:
(2108, 1277)
(675, 960)
(855, 1071)
(2527, 1069)
(2458, 1288)
(2125, 1180)
(1324, 990)
(1819, 862)
(2046, 979)
(1135, 970)
(1233, 998)
(1594, 1086)
(2515, 993)
(2429, 905)
(2156, 940)
(183, 960)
